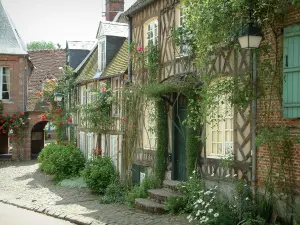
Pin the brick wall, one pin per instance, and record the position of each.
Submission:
(112, 8)
(273, 115)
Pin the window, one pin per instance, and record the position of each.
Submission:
(101, 55)
(83, 95)
(114, 149)
(4, 83)
(219, 132)
(151, 29)
(291, 72)
(183, 49)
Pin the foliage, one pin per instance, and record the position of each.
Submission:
(193, 145)
(114, 193)
(162, 140)
(63, 161)
(176, 204)
(40, 45)
(97, 113)
(99, 173)
(76, 182)
(140, 191)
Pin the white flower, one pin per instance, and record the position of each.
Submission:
(212, 174)
(188, 217)
(191, 177)
(199, 201)
(227, 175)
(235, 175)
(216, 187)
(207, 205)
(210, 210)
(216, 215)
(194, 171)
(247, 199)
(200, 192)
(198, 213)
(207, 192)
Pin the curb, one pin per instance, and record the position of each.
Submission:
(73, 218)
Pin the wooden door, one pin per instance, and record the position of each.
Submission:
(179, 139)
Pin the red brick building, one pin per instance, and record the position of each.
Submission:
(15, 70)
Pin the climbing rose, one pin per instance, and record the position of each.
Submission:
(59, 110)
(139, 49)
(70, 120)
(22, 113)
(103, 90)
(43, 118)
(100, 150)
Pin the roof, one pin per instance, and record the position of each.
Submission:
(48, 64)
(80, 45)
(118, 64)
(10, 40)
(81, 65)
(89, 68)
(108, 28)
(138, 5)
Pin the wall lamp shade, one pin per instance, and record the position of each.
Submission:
(250, 37)
(58, 97)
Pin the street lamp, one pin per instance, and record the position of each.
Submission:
(58, 97)
(251, 36)
(250, 39)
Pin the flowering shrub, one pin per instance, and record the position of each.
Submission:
(99, 173)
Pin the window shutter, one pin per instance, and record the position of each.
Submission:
(291, 72)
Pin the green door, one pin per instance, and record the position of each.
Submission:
(291, 72)
(179, 152)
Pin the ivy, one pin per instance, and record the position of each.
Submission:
(162, 140)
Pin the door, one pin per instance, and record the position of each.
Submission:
(179, 137)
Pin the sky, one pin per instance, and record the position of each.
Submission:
(57, 20)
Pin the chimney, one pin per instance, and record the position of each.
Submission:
(112, 8)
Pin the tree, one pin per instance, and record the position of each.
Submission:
(40, 45)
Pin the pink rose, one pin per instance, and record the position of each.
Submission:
(139, 49)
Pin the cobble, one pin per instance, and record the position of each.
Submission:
(23, 184)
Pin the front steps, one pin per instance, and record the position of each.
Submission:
(157, 197)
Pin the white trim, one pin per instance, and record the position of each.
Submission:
(8, 75)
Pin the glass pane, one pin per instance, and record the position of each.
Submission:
(5, 79)
(5, 95)
(228, 148)
(219, 136)
(214, 149)
(220, 149)
(228, 136)
(4, 87)
(214, 136)
(228, 124)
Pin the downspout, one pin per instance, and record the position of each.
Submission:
(129, 48)
(23, 82)
(254, 121)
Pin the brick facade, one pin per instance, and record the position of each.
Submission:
(273, 116)
(112, 8)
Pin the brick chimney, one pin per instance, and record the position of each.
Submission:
(112, 8)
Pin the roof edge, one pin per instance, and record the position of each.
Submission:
(135, 8)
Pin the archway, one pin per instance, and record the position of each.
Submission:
(37, 138)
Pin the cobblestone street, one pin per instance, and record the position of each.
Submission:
(22, 184)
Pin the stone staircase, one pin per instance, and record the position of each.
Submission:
(157, 197)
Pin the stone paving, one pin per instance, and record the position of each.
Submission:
(22, 184)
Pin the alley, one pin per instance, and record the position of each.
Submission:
(22, 183)
(8, 217)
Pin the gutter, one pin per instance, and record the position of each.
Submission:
(23, 84)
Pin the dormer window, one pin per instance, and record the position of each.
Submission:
(101, 55)
(151, 31)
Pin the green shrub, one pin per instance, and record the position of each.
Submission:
(176, 204)
(99, 173)
(45, 163)
(115, 193)
(61, 161)
(140, 191)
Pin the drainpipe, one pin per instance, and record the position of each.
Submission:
(254, 120)
(129, 49)
(23, 82)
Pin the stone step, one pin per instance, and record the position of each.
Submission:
(161, 195)
(173, 185)
(149, 206)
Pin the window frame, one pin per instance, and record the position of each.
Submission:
(220, 126)
(151, 23)
(102, 54)
(7, 83)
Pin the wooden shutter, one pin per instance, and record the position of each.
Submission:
(291, 72)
